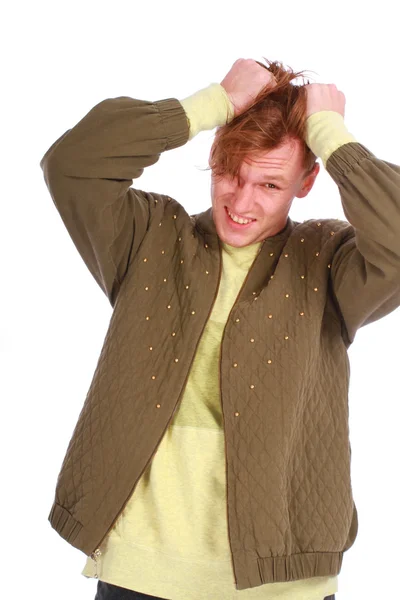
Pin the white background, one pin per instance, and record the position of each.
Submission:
(58, 61)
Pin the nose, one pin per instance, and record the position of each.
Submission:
(243, 203)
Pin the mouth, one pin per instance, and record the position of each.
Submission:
(237, 222)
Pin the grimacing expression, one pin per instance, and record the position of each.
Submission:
(263, 192)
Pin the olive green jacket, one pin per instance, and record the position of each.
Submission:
(290, 508)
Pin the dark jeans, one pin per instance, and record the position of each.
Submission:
(108, 591)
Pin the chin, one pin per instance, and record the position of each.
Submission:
(237, 241)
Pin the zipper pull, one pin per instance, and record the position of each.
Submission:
(94, 556)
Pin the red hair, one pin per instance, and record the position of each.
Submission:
(277, 114)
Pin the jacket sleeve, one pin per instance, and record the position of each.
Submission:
(89, 171)
(365, 270)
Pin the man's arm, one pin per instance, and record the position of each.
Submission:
(365, 270)
(89, 169)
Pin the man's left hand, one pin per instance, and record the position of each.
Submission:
(324, 96)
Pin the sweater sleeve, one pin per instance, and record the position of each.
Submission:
(208, 108)
(326, 132)
(365, 269)
(89, 171)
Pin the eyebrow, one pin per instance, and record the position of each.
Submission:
(275, 178)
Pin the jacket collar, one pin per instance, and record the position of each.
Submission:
(265, 261)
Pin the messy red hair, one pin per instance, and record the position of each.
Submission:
(277, 114)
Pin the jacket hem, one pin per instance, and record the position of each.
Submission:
(273, 569)
(64, 523)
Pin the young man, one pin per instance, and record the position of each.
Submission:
(212, 453)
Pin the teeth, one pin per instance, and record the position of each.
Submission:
(239, 219)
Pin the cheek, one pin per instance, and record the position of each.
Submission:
(268, 205)
(221, 190)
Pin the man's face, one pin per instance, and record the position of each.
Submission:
(264, 192)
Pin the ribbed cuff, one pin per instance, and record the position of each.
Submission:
(326, 132)
(208, 108)
(344, 161)
(174, 121)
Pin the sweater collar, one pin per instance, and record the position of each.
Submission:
(264, 262)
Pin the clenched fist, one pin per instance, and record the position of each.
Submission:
(324, 96)
(244, 82)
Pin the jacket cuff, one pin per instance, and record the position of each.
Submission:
(208, 108)
(341, 163)
(174, 121)
(326, 132)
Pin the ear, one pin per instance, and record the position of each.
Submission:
(308, 182)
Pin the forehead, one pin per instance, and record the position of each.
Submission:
(285, 161)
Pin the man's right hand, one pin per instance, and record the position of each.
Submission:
(244, 82)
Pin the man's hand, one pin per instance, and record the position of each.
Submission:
(321, 96)
(244, 82)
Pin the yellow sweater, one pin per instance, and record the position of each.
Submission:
(171, 540)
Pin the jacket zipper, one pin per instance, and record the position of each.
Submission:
(94, 557)
(97, 552)
(222, 411)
